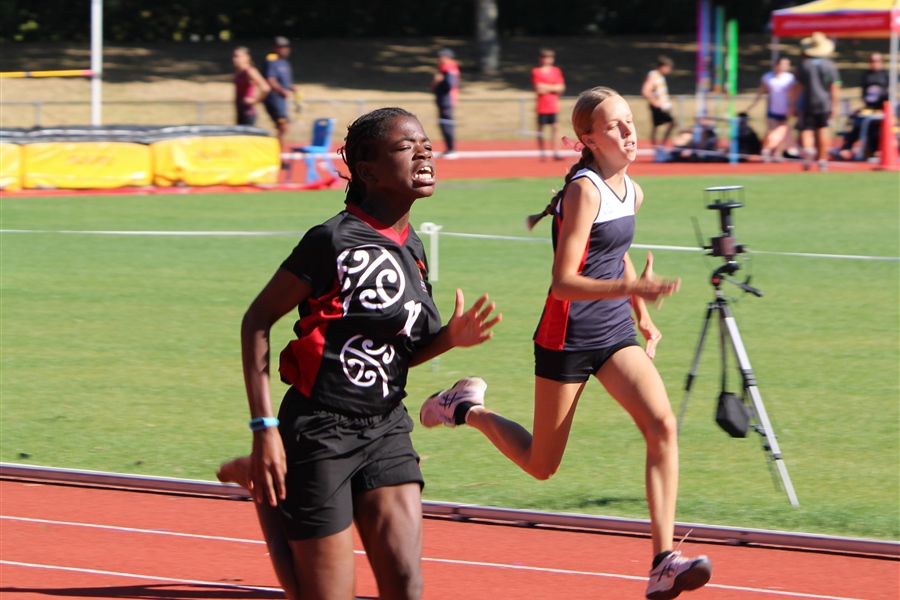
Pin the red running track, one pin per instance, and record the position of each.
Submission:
(67, 541)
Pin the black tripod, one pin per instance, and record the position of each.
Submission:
(728, 331)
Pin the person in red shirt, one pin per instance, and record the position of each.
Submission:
(548, 83)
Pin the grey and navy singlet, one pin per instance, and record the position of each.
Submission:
(593, 324)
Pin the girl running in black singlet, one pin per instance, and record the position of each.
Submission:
(339, 451)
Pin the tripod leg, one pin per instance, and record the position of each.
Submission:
(750, 385)
(695, 365)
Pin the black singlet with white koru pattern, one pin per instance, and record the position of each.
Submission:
(593, 324)
(369, 311)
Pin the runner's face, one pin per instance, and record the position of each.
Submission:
(404, 166)
(613, 134)
(240, 59)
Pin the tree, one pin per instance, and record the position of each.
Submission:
(486, 31)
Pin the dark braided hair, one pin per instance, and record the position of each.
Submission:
(582, 123)
(363, 136)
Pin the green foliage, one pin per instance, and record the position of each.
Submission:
(121, 353)
(136, 21)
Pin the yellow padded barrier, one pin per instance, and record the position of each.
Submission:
(10, 167)
(217, 160)
(86, 165)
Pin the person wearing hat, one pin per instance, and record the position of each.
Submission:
(815, 98)
(280, 77)
(445, 86)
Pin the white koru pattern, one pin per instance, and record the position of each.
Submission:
(364, 365)
(363, 266)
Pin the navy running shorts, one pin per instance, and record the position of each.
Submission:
(332, 457)
(547, 119)
(276, 106)
(574, 366)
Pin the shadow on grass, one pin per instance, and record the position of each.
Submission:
(609, 502)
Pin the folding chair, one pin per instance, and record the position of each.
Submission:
(319, 149)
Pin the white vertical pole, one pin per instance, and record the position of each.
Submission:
(432, 230)
(96, 60)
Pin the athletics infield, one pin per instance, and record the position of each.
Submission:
(79, 540)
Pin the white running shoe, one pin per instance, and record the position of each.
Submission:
(439, 408)
(677, 573)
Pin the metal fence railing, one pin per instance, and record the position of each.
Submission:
(477, 119)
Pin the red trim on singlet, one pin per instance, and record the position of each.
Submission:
(300, 360)
(388, 232)
(551, 333)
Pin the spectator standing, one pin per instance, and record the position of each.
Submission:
(281, 79)
(548, 82)
(776, 84)
(249, 86)
(656, 91)
(817, 88)
(875, 85)
(445, 86)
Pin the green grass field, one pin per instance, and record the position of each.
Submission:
(121, 352)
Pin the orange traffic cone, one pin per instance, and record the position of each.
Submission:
(888, 141)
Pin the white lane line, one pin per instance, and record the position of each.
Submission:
(219, 584)
(468, 563)
(132, 530)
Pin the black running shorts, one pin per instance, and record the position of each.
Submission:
(574, 366)
(332, 457)
(547, 119)
(812, 121)
(660, 116)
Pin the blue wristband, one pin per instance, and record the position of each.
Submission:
(261, 423)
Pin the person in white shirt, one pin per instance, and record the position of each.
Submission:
(776, 84)
(656, 91)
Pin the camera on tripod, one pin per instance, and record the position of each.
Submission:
(733, 414)
(724, 199)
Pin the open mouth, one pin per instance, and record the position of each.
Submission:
(425, 174)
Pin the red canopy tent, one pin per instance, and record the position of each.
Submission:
(843, 18)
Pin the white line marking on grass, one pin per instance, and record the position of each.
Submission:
(161, 233)
(448, 561)
(481, 236)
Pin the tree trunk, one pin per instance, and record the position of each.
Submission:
(488, 43)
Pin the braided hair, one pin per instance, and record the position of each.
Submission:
(363, 136)
(582, 123)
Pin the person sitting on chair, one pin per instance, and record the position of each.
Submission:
(875, 85)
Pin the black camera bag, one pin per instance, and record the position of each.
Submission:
(733, 415)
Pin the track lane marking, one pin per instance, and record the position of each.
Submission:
(362, 553)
